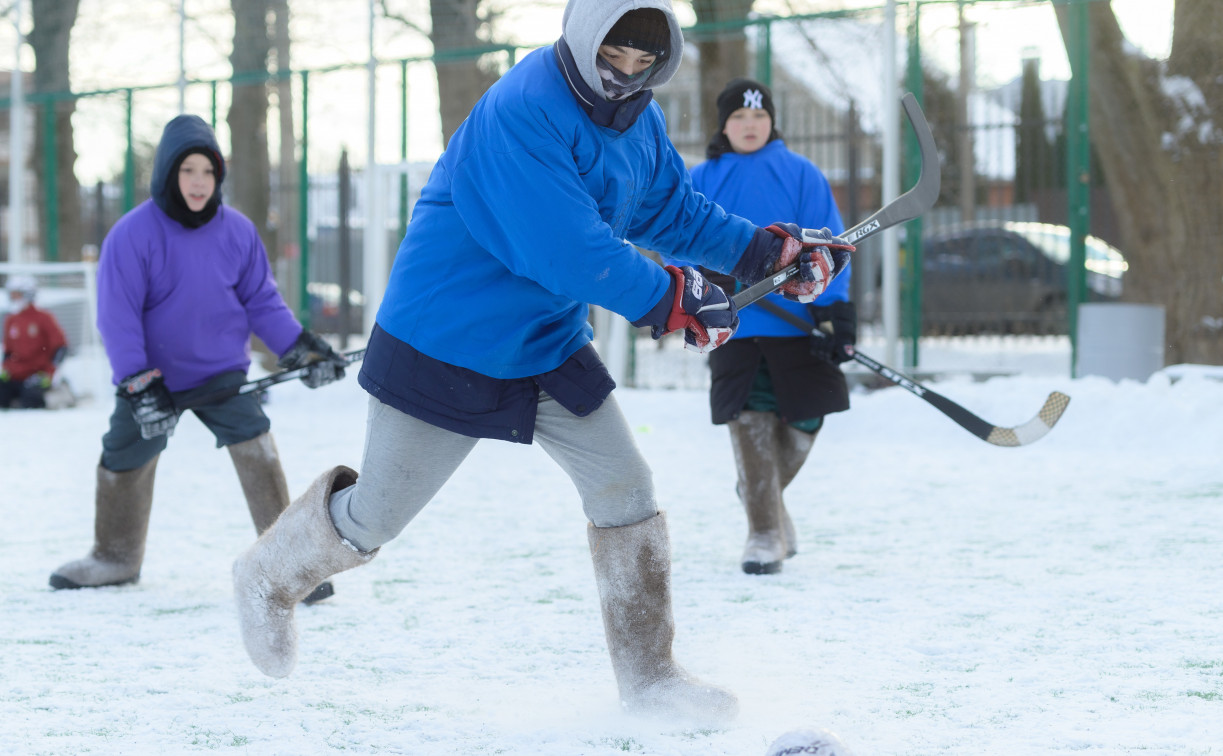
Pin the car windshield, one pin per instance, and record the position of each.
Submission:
(1054, 241)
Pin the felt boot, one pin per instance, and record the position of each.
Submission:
(754, 436)
(294, 555)
(123, 503)
(632, 566)
(795, 448)
(257, 463)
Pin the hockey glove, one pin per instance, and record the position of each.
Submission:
(703, 311)
(322, 363)
(151, 403)
(820, 255)
(838, 326)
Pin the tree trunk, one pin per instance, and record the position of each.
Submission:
(285, 249)
(247, 183)
(1163, 166)
(50, 37)
(461, 82)
(723, 52)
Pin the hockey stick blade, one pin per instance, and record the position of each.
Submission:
(259, 384)
(1020, 435)
(913, 203)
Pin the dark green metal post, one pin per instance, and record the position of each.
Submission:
(51, 189)
(764, 54)
(911, 300)
(129, 162)
(403, 147)
(1078, 178)
(303, 199)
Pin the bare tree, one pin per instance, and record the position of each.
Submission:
(248, 180)
(287, 194)
(723, 50)
(50, 37)
(457, 29)
(1156, 127)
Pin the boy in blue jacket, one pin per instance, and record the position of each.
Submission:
(526, 219)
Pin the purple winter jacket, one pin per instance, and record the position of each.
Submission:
(186, 300)
(184, 297)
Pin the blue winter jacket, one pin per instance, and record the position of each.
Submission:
(526, 218)
(774, 185)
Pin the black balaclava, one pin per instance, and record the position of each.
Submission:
(740, 93)
(176, 205)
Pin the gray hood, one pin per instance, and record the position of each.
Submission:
(587, 22)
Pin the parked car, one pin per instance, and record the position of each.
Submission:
(325, 309)
(1008, 277)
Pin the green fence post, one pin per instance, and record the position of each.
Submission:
(51, 190)
(403, 147)
(213, 113)
(129, 162)
(303, 194)
(764, 54)
(911, 298)
(1078, 177)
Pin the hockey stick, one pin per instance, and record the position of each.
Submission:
(1020, 435)
(259, 384)
(906, 207)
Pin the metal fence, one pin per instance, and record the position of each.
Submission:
(1005, 162)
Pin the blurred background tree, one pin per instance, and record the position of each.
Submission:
(1158, 129)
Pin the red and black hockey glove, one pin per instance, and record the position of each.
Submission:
(702, 310)
(820, 256)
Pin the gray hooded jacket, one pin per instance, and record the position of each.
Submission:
(587, 22)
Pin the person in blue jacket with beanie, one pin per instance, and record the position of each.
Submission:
(772, 383)
(528, 217)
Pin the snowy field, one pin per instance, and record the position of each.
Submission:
(949, 597)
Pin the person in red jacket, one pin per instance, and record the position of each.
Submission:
(34, 345)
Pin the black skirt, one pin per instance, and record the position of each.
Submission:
(806, 387)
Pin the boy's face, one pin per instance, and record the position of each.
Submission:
(627, 60)
(197, 181)
(748, 129)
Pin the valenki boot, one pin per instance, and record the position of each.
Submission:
(124, 501)
(754, 438)
(281, 568)
(257, 463)
(795, 448)
(632, 566)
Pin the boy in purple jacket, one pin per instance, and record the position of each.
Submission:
(183, 281)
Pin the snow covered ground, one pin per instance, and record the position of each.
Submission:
(949, 597)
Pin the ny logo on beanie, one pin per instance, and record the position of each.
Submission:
(753, 98)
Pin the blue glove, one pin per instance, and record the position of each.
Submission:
(707, 316)
(322, 363)
(820, 255)
(151, 403)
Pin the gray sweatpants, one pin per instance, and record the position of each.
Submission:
(407, 461)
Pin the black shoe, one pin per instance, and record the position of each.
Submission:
(323, 591)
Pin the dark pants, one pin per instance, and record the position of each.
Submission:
(27, 397)
(233, 420)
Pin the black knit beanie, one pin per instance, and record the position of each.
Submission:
(740, 93)
(644, 29)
